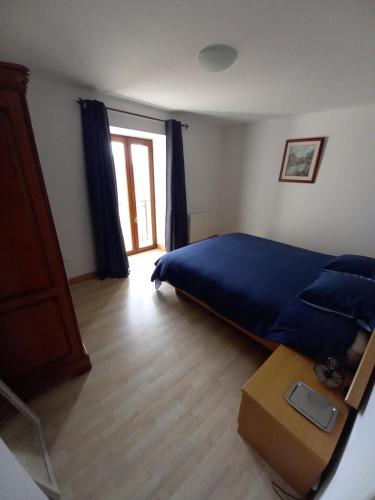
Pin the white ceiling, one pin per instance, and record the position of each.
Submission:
(294, 55)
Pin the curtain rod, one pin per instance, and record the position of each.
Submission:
(184, 125)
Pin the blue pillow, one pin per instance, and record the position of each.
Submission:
(313, 331)
(353, 264)
(345, 294)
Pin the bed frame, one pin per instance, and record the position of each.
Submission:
(272, 346)
(360, 380)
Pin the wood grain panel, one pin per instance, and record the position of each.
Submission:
(41, 332)
(82, 277)
(274, 443)
(277, 430)
(23, 262)
(362, 375)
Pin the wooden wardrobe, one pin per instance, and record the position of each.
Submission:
(40, 342)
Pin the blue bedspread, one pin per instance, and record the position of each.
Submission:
(249, 280)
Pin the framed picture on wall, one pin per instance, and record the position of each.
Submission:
(301, 159)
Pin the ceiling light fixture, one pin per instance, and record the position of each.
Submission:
(217, 57)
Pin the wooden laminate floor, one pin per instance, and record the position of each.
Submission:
(156, 418)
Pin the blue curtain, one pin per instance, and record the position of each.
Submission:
(111, 257)
(176, 221)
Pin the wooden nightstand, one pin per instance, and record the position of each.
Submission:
(292, 445)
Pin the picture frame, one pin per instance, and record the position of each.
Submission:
(301, 159)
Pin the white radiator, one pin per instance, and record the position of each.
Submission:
(198, 226)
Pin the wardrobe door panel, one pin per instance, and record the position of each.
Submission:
(23, 262)
(41, 332)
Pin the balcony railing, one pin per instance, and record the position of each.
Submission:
(144, 222)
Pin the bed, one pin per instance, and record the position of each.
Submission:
(250, 282)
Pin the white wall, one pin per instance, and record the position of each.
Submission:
(203, 152)
(354, 477)
(57, 126)
(336, 214)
